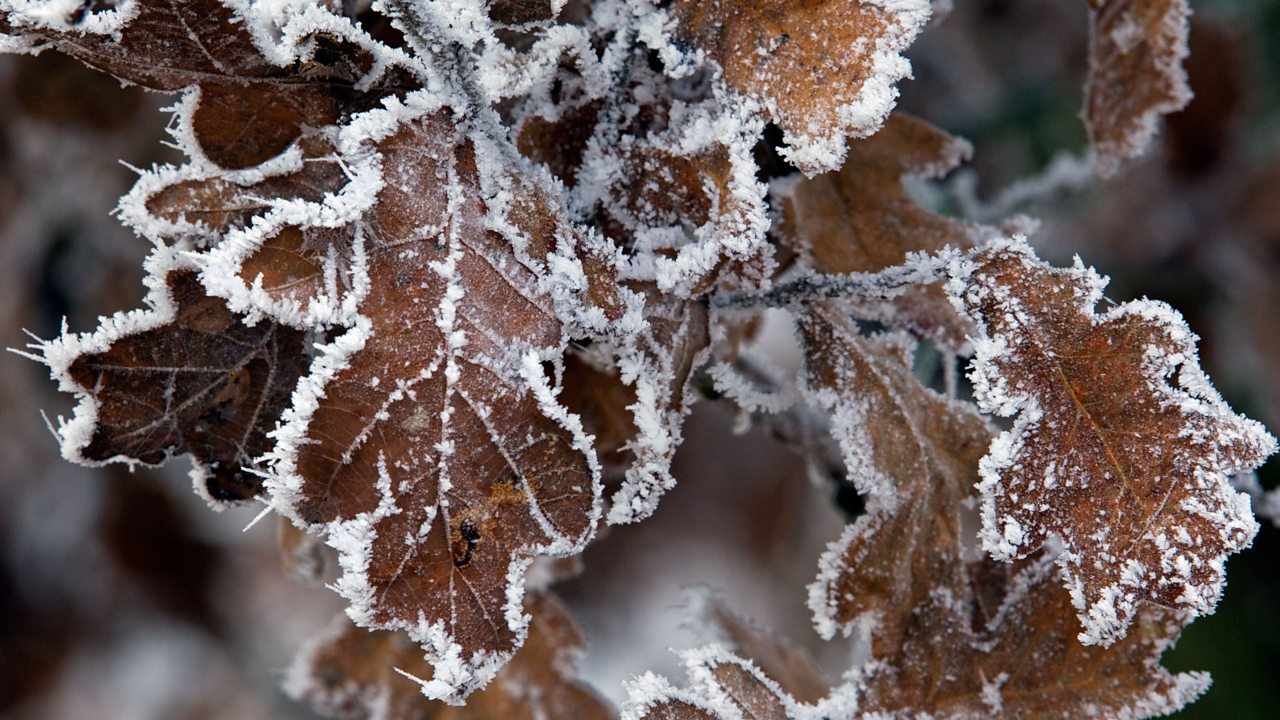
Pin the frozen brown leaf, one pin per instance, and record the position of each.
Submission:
(692, 202)
(790, 667)
(432, 451)
(271, 242)
(352, 674)
(861, 219)
(951, 634)
(913, 452)
(1136, 48)
(189, 378)
(1120, 446)
(209, 205)
(251, 105)
(822, 70)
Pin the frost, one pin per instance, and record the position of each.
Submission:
(440, 282)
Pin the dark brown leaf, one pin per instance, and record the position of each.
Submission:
(201, 383)
(250, 108)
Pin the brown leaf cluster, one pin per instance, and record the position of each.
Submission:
(433, 274)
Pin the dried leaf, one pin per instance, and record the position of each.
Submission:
(861, 219)
(189, 377)
(1120, 447)
(790, 667)
(949, 638)
(913, 452)
(353, 674)
(1136, 48)
(207, 205)
(431, 449)
(820, 70)
(687, 203)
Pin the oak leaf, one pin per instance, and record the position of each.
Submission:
(1136, 49)
(188, 377)
(427, 444)
(950, 636)
(960, 659)
(821, 70)
(912, 452)
(1120, 446)
(684, 200)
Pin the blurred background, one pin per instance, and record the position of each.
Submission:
(123, 596)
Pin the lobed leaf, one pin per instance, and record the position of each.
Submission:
(430, 449)
(821, 70)
(861, 219)
(254, 98)
(187, 378)
(1120, 446)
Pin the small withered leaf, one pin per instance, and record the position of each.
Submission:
(353, 674)
(790, 667)
(724, 687)
(861, 219)
(203, 383)
(433, 454)
(821, 71)
(692, 203)
(1121, 447)
(1136, 49)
